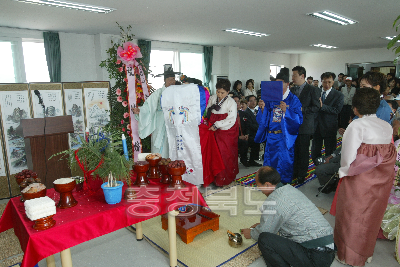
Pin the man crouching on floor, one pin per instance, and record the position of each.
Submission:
(292, 231)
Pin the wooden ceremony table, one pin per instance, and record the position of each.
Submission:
(93, 217)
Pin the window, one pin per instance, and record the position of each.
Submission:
(23, 61)
(157, 60)
(275, 70)
(7, 66)
(192, 65)
(189, 64)
(35, 62)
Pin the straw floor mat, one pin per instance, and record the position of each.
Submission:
(10, 250)
(238, 207)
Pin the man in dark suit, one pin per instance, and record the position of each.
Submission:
(243, 136)
(331, 103)
(251, 129)
(309, 98)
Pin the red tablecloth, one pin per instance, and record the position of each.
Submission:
(91, 218)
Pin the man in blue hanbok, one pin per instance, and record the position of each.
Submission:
(279, 124)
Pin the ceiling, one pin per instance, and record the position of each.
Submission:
(202, 21)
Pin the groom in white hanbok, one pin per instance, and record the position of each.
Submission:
(182, 115)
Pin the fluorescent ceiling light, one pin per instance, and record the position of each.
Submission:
(330, 16)
(390, 38)
(324, 46)
(70, 5)
(258, 34)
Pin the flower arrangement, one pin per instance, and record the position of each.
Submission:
(119, 54)
(128, 53)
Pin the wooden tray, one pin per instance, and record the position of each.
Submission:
(188, 227)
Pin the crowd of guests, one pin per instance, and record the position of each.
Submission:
(293, 232)
(366, 170)
(329, 117)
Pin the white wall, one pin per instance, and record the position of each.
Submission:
(78, 61)
(20, 33)
(318, 63)
(241, 64)
(81, 55)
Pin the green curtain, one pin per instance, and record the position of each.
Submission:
(208, 57)
(53, 55)
(145, 49)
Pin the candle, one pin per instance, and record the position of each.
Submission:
(125, 147)
(87, 134)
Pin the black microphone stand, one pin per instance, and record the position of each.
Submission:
(44, 132)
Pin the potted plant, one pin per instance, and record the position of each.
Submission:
(112, 190)
(100, 157)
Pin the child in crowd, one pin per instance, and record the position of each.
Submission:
(393, 106)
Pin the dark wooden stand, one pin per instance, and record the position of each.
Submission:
(44, 223)
(67, 200)
(176, 177)
(153, 172)
(165, 177)
(189, 227)
(141, 169)
(56, 140)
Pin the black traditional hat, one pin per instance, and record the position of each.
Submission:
(186, 79)
(283, 75)
(168, 72)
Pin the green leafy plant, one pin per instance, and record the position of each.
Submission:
(101, 154)
(118, 95)
(394, 42)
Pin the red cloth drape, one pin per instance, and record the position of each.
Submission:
(91, 218)
(220, 152)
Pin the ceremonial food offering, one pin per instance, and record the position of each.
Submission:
(64, 186)
(34, 190)
(26, 174)
(153, 156)
(25, 178)
(164, 161)
(41, 210)
(176, 168)
(154, 172)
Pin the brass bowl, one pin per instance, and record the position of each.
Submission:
(235, 241)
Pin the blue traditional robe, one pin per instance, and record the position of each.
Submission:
(279, 147)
